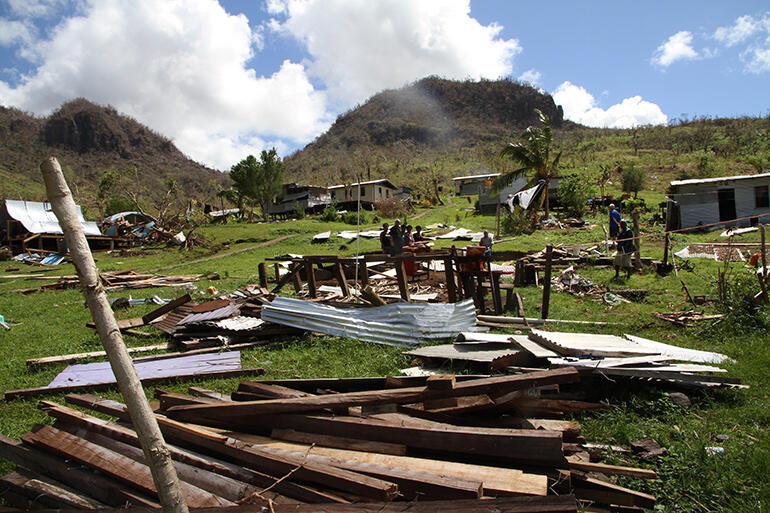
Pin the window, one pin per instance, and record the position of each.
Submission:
(761, 197)
(380, 191)
(387, 193)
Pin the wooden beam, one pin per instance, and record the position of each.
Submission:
(547, 282)
(242, 412)
(403, 286)
(311, 283)
(47, 361)
(451, 287)
(113, 464)
(339, 273)
(262, 271)
(164, 309)
(286, 278)
(296, 280)
(46, 492)
(338, 442)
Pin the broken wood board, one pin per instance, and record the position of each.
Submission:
(45, 361)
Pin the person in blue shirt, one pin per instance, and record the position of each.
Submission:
(614, 221)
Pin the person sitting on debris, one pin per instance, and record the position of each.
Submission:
(486, 241)
(408, 236)
(418, 236)
(614, 221)
(625, 250)
(385, 239)
(396, 238)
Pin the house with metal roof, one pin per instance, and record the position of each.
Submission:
(311, 198)
(718, 202)
(371, 192)
(473, 184)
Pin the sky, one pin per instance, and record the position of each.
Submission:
(227, 78)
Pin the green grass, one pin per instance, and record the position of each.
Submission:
(53, 323)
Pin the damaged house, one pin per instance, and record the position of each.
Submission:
(722, 201)
(311, 198)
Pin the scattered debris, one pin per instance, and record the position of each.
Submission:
(718, 252)
(647, 449)
(686, 319)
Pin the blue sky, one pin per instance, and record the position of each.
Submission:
(231, 77)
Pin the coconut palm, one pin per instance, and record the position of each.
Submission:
(533, 154)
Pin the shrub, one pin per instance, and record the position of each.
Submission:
(632, 179)
(352, 217)
(517, 223)
(392, 208)
(117, 204)
(574, 192)
(330, 213)
(299, 211)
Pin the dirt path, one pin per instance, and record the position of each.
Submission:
(227, 254)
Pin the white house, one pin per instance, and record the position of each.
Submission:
(723, 201)
(473, 184)
(371, 192)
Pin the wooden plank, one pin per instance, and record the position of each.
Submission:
(311, 283)
(587, 488)
(46, 492)
(286, 278)
(586, 466)
(245, 411)
(403, 286)
(223, 468)
(497, 481)
(46, 361)
(114, 465)
(206, 393)
(296, 280)
(164, 309)
(509, 445)
(262, 271)
(451, 286)
(339, 274)
(550, 504)
(268, 391)
(99, 486)
(338, 442)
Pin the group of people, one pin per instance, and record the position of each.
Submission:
(624, 237)
(394, 238)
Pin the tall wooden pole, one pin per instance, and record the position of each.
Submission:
(547, 281)
(497, 231)
(763, 278)
(637, 241)
(155, 451)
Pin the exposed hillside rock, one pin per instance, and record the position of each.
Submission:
(434, 118)
(89, 139)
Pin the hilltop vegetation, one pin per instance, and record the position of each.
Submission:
(89, 140)
(438, 128)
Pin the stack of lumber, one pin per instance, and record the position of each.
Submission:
(116, 280)
(382, 444)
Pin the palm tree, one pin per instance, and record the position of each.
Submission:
(533, 154)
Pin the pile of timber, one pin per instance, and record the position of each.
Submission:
(353, 444)
(115, 280)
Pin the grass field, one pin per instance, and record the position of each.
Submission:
(51, 323)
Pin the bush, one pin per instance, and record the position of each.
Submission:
(299, 211)
(517, 223)
(352, 217)
(632, 179)
(393, 208)
(743, 313)
(574, 192)
(330, 213)
(118, 204)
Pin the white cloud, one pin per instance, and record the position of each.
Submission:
(34, 8)
(754, 34)
(743, 28)
(13, 32)
(677, 47)
(178, 67)
(360, 48)
(580, 106)
(531, 76)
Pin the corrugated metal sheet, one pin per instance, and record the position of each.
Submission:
(38, 217)
(213, 315)
(398, 324)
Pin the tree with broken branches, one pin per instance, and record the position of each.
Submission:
(533, 154)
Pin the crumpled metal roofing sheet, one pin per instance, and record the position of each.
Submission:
(398, 324)
(38, 217)
(213, 315)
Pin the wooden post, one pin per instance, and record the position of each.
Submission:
(497, 301)
(262, 268)
(339, 272)
(142, 417)
(637, 240)
(664, 270)
(497, 232)
(480, 295)
(450, 280)
(547, 281)
(277, 272)
(363, 273)
(296, 280)
(403, 286)
(310, 271)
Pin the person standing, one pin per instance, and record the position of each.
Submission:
(614, 221)
(487, 242)
(625, 250)
(385, 239)
(396, 238)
